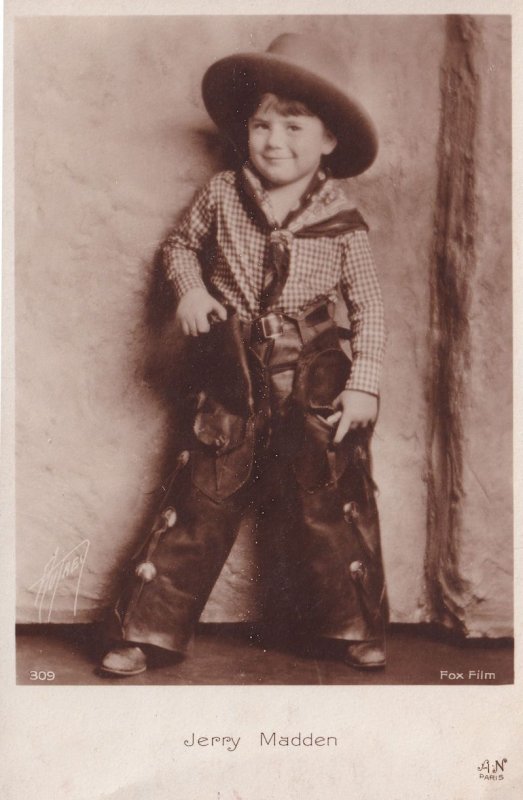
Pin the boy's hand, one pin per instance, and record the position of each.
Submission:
(358, 409)
(194, 310)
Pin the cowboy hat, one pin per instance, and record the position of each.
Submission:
(296, 67)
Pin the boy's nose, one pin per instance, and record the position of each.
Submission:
(275, 137)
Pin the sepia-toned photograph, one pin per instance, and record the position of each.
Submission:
(259, 485)
(263, 350)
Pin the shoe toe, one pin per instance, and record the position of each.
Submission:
(365, 655)
(125, 661)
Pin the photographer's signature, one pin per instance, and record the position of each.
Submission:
(56, 573)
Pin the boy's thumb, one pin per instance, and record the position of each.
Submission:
(220, 310)
(342, 429)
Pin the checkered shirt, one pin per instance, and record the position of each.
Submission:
(218, 246)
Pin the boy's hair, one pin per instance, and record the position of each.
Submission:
(285, 106)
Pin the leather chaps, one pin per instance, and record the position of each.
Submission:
(256, 436)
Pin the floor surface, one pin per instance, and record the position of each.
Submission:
(237, 655)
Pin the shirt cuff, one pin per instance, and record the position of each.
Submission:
(182, 284)
(183, 276)
(364, 376)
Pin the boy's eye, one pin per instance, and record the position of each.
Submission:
(293, 127)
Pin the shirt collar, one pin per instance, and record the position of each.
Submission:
(259, 194)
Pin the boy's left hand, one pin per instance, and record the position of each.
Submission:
(358, 409)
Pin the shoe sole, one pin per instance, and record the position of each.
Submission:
(123, 673)
(376, 665)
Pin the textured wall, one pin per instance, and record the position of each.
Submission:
(112, 141)
(487, 535)
(469, 551)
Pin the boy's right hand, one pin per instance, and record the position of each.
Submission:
(194, 310)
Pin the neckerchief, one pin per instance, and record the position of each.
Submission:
(324, 210)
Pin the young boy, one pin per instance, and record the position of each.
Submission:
(275, 416)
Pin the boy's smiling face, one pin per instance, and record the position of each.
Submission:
(286, 147)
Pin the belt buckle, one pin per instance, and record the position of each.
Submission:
(271, 325)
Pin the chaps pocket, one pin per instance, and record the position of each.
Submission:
(219, 473)
(322, 371)
(326, 376)
(217, 427)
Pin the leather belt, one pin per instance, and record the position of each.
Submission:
(271, 325)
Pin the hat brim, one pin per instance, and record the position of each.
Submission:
(229, 83)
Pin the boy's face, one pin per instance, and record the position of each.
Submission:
(287, 148)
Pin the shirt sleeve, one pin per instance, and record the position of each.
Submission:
(362, 294)
(184, 247)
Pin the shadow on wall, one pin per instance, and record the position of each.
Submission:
(162, 359)
(164, 342)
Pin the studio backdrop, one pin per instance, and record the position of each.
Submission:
(111, 143)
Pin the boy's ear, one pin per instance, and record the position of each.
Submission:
(329, 143)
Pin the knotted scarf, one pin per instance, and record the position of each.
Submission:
(324, 210)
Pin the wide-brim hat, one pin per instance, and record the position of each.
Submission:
(297, 67)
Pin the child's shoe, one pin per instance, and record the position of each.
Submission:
(365, 655)
(124, 660)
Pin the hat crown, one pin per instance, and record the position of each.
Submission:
(311, 54)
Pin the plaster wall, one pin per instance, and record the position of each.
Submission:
(112, 141)
(486, 543)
